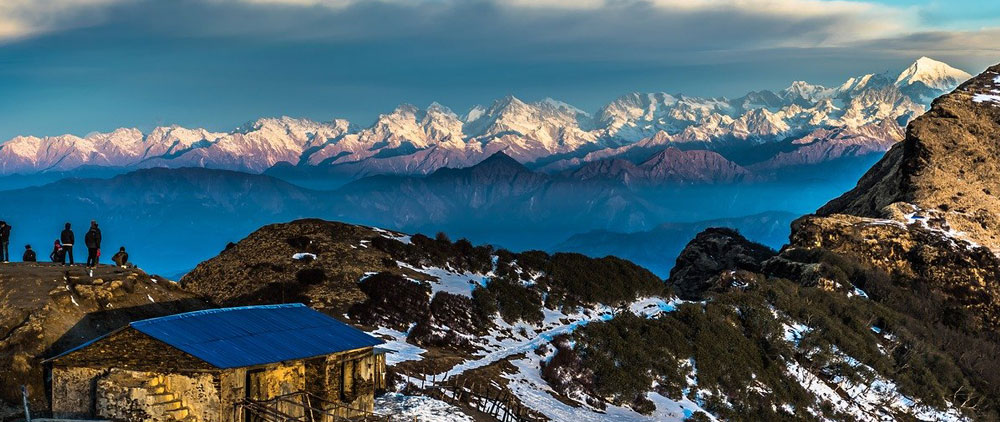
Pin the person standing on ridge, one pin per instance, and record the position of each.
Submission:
(67, 239)
(93, 242)
(4, 241)
(29, 254)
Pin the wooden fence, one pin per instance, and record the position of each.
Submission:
(302, 407)
(495, 403)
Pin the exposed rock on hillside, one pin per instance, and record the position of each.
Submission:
(710, 262)
(263, 267)
(961, 277)
(46, 309)
(946, 165)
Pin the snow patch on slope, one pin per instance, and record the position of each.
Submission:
(652, 307)
(874, 401)
(400, 350)
(527, 384)
(399, 237)
(450, 281)
(419, 408)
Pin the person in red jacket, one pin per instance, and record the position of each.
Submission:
(58, 254)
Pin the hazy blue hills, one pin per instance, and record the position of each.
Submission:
(171, 219)
(657, 249)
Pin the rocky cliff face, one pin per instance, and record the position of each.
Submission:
(945, 168)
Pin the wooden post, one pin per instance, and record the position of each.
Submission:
(24, 396)
(312, 416)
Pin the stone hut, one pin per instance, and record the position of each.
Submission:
(221, 365)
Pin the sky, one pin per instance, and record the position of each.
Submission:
(79, 66)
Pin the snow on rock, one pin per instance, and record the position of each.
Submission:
(992, 96)
(940, 226)
(399, 237)
(304, 256)
(507, 339)
(858, 292)
(986, 98)
(419, 408)
(794, 332)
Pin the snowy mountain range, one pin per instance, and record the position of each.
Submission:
(813, 123)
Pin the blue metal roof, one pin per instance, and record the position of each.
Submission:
(255, 335)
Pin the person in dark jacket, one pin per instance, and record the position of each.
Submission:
(121, 258)
(68, 239)
(29, 254)
(93, 242)
(4, 241)
(58, 254)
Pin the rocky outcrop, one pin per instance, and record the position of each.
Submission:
(946, 165)
(46, 309)
(962, 276)
(275, 264)
(657, 249)
(710, 262)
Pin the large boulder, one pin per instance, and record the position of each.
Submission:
(711, 261)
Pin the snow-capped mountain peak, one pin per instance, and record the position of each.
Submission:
(412, 140)
(560, 106)
(437, 108)
(934, 74)
(474, 113)
(867, 81)
(805, 91)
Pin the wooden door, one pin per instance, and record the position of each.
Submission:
(255, 391)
